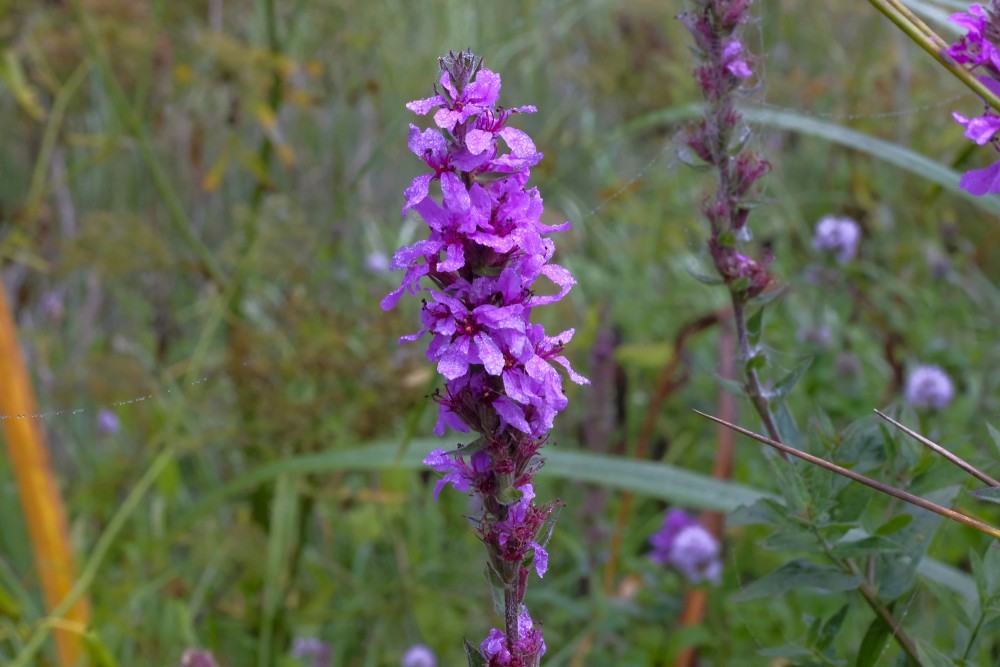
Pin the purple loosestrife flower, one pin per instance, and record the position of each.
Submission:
(684, 544)
(929, 388)
(482, 261)
(837, 236)
(978, 50)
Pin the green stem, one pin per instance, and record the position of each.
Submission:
(972, 637)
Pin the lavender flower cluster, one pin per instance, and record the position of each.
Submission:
(978, 50)
(486, 250)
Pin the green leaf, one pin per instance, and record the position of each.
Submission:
(497, 588)
(798, 574)
(866, 546)
(756, 362)
(703, 278)
(995, 435)
(931, 657)
(873, 643)
(831, 628)
(895, 524)
(767, 297)
(282, 538)
(788, 382)
(785, 422)
(895, 572)
(764, 511)
(990, 494)
(99, 654)
(473, 656)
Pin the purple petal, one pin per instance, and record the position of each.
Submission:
(982, 181)
(406, 255)
(541, 559)
(456, 195)
(446, 119)
(478, 140)
(455, 361)
(454, 259)
(573, 375)
(489, 354)
(512, 413)
(561, 277)
(417, 191)
(485, 90)
(520, 143)
(421, 107)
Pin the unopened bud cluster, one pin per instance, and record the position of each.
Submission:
(720, 139)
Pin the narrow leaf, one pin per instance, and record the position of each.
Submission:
(990, 494)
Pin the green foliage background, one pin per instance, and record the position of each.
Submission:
(190, 194)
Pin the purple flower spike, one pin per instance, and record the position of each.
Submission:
(485, 252)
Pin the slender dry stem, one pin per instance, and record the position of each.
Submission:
(867, 481)
(938, 449)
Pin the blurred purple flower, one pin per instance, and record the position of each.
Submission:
(52, 305)
(929, 388)
(108, 422)
(838, 237)
(377, 262)
(684, 544)
(198, 658)
(819, 336)
(418, 655)
(318, 653)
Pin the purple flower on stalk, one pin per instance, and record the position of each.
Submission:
(684, 544)
(485, 253)
(929, 388)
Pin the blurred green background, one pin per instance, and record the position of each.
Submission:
(197, 204)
